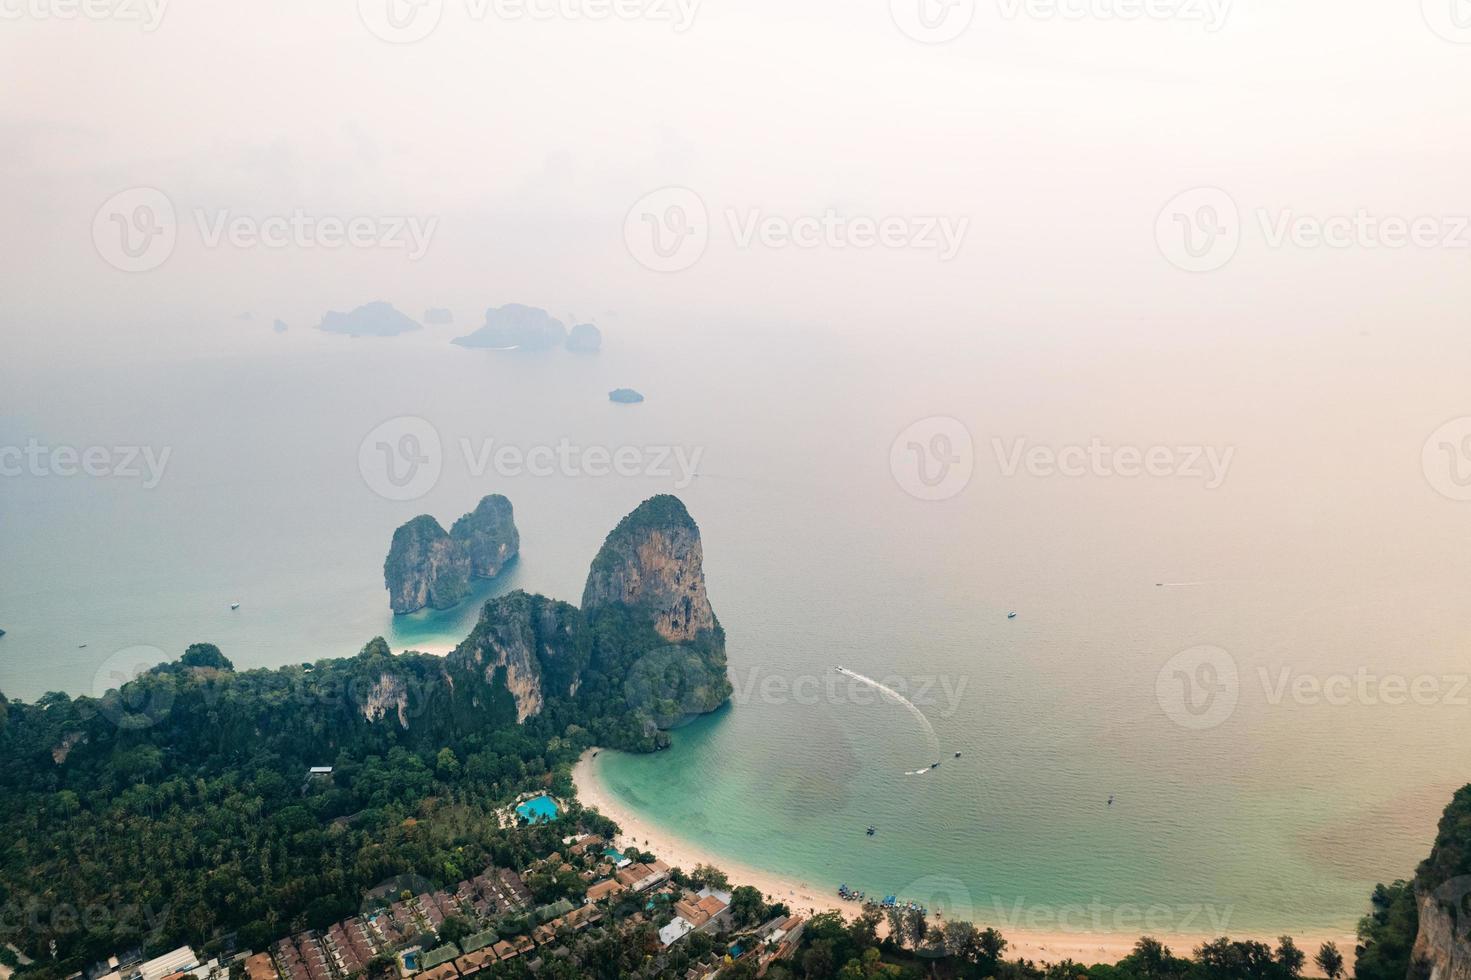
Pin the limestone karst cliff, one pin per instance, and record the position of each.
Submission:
(425, 567)
(654, 561)
(429, 567)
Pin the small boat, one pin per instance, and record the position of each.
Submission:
(872, 831)
(1110, 799)
(936, 765)
(957, 755)
(81, 646)
(1011, 615)
(234, 605)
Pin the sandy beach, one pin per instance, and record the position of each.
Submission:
(806, 897)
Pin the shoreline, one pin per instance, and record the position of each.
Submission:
(806, 897)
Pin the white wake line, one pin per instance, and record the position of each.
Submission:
(885, 689)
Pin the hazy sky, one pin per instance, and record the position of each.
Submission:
(1047, 143)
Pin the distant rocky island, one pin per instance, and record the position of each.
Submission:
(378, 319)
(625, 396)
(427, 566)
(585, 338)
(529, 328)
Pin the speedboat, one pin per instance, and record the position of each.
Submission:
(957, 755)
(872, 831)
(1011, 615)
(234, 605)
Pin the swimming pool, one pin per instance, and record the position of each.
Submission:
(540, 809)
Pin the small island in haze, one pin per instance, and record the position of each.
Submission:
(625, 396)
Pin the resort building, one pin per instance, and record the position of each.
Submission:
(642, 876)
(676, 930)
(605, 889)
(180, 960)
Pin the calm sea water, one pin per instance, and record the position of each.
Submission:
(1325, 552)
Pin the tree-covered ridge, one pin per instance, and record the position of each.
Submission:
(1451, 856)
(180, 809)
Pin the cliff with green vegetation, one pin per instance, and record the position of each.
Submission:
(425, 567)
(488, 536)
(1442, 895)
(429, 567)
(182, 802)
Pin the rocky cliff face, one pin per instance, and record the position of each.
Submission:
(537, 644)
(644, 653)
(428, 567)
(1444, 941)
(488, 536)
(654, 562)
(1443, 897)
(389, 694)
(425, 567)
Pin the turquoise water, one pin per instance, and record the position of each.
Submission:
(540, 809)
(1324, 551)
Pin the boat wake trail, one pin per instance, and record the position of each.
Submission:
(893, 695)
